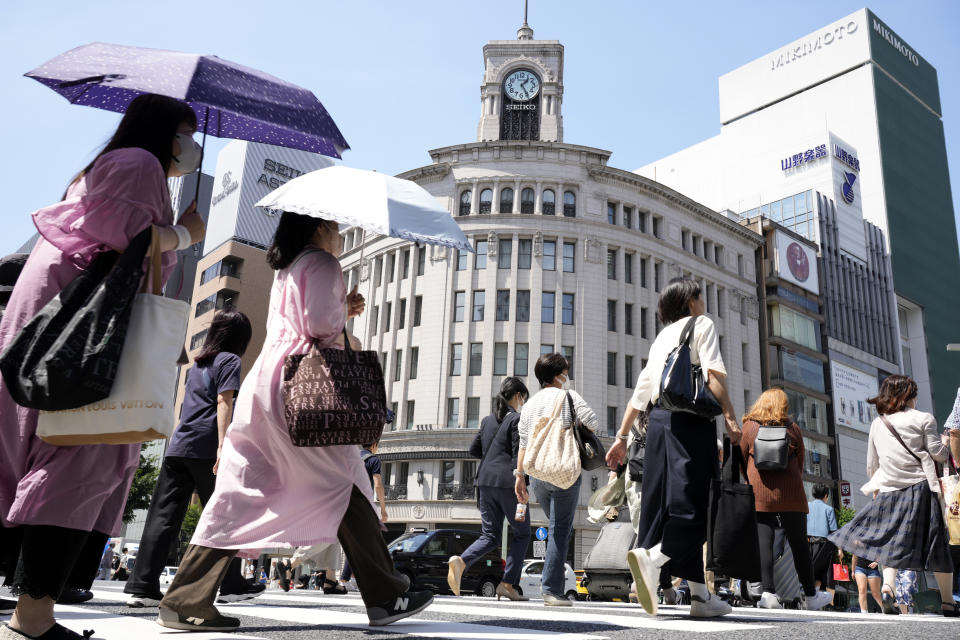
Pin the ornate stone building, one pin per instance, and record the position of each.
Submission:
(570, 255)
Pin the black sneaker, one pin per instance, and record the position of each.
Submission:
(398, 608)
(56, 632)
(252, 591)
(74, 596)
(7, 606)
(173, 620)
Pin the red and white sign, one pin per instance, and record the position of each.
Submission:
(845, 493)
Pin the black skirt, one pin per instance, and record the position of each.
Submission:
(901, 529)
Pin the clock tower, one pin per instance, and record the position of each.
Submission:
(522, 89)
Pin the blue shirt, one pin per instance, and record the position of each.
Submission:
(197, 436)
(821, 520)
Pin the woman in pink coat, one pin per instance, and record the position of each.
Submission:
(58, 505)
(270, 493)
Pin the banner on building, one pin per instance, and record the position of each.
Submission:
(851, 388)
(797, 263)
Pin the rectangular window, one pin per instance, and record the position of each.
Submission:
(708, 298)
(547, 306)
(393, 407)
(795, 327)
(568, 354)
(745, 356)
(611, 315)
(456, 358)
(524, 253)
(718, 255)
(628, 319)
(414, 362)
(481, 259)
(405, 264)
(549, 255)
(476, 358)
(685, 240)
(611, 213)
(628, 217)
(459, 300)
(739, 264)
(378, 271)
(503, 304)
(721, 298)
(500, 359)
(611, 368)
(628, 268)
(505, 253)
(391, 266)
(521, 356)
(453, 413)
(417, 310)
(546, 349)
(473, 413)
(628, 379)
(387, 316)
(567, 309)
(657, 273)
(462, 259)
(657, 226)
(374, 319)
(643, 323)
(383, 363)
(402, 316)
(421, 260)
(569, 257)
(523, 306)
(612, 424)
(410, 407)
(611, 264)
(479, 298)
(743, 310)
(397, 365)
(644, 263)
(198, 339)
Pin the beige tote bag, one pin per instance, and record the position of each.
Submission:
(552, 454)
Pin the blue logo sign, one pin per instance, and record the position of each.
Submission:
(846, 157)
(798, 159)
(847, 186)
(541, 533)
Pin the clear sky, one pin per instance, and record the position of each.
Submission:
(402, 77)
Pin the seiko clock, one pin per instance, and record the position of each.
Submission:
(522, 85)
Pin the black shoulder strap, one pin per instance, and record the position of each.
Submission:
(688, 331)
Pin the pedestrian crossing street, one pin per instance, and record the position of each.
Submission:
(280, 615)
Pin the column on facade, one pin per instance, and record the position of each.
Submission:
(475, 197)
(538, 202)
(495, 205)
(516, 196)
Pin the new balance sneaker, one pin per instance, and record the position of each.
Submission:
(252, 592)
(403, 606)
(769, 601)
(138, 602)
(815, 602)
(712, 607)
(670, 596)
(550, 600)
(173, 620)
(647, 576)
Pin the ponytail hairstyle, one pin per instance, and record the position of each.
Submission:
(508, 390)
(294, 232)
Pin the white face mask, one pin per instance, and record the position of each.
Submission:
(189, 159)
(565, 385)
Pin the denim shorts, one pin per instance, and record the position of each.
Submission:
(870, 573)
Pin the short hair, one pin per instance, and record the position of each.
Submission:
(895, 392)
(820, 491)
(772, 407)
(549, 366)
(674, 302)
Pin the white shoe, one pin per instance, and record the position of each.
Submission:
(815, 602)
(138, 602)
(769, 601)
(670, 596)
(712, 607)
(647, 576)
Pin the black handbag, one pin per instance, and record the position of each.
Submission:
(67, 355)
(592, 454)
(733, 545)
(682, 387)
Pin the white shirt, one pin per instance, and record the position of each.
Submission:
(889, 465)
(704, 351)
(541, 406)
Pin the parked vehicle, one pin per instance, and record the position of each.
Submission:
(166, 576)
(581, 589)
(531, 577)
(422, 556)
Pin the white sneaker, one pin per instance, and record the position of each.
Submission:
(712, 607)
(670, 596)
(647, 576)
(769, 601)
(138, 602)
(815, 602)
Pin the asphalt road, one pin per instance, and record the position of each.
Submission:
(310, 614)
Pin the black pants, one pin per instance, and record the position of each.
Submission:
(794, 525)
(178, 479)
(823, 554)
(680, 460)
(50, 558)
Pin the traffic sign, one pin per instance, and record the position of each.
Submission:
(541, 533)
(539, 549)
(844, 488)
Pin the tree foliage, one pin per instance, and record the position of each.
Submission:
(144, 481)
(189, 525)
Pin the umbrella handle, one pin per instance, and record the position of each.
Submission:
(203, 144)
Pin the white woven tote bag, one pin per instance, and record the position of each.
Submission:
(552, 454)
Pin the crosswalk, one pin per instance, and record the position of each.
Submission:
(282, 615)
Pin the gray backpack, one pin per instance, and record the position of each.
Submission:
(771, 449)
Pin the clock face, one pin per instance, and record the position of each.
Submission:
(522, 85)
(797, 262)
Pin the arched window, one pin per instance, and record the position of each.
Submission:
(527, 198)
(486, 200)
(549, 202)
(569, 204)
(465, 203)
(506, 200)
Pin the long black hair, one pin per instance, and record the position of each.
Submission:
(674, 302)
(150, 123)
(509, 389)
(230, 331)
(294, 232)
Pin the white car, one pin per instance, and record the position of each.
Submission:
(166, 576)
(531, 577)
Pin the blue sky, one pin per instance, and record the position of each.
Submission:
(403, 77)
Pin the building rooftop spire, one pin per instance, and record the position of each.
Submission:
(525, 32)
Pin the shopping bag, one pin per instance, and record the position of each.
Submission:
(950, 504)
(841, 573)
(552, 454)
(140, 405)
(733, 546)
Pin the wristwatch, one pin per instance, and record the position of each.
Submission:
(621, 436)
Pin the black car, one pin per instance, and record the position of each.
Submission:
(422, 556)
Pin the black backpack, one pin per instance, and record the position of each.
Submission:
(771, 449)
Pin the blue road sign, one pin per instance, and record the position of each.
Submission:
(541, 533)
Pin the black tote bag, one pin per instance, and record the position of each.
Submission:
(682, 387)
(67, 355)
(733, 545)
(592, 454)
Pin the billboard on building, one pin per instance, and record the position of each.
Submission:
(845, 179)
(851, 388)
(797, 263)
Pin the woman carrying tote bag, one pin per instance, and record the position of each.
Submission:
(680, 458)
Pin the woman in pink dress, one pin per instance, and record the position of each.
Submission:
(270, 493)
(58, 505)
